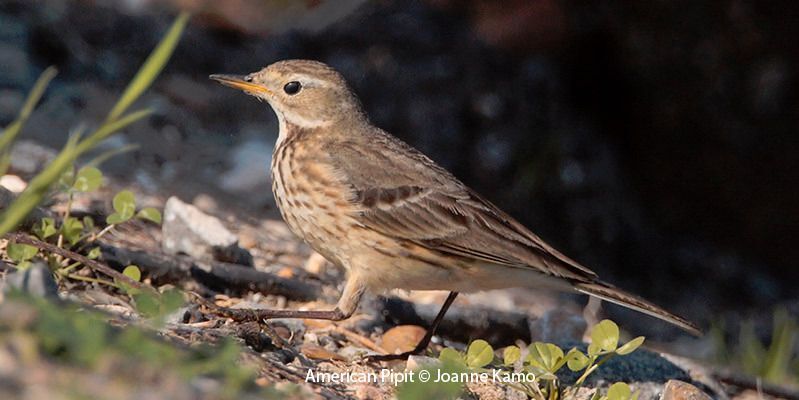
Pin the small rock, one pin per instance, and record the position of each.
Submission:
(13, 183)
(558, 326)
(315, 352)
(353, 352)
(418, 362)
(402, 338)
(294, 326)
(28, 158)
(188, 230)
(679, 390)
(37, 280)
(205, 202)
(315, 264)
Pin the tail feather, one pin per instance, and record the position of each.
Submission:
(609, 293)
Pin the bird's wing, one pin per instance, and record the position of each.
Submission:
(401, 193)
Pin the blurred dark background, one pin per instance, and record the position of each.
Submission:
(656, 142)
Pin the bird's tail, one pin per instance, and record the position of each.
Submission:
(610, 293)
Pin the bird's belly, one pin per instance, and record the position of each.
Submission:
(315, 210)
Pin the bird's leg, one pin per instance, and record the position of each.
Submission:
(347, 303)
(422, 345)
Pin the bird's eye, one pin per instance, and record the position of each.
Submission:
(248, 78)
(292, 88)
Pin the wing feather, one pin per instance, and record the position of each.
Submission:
(405, 195)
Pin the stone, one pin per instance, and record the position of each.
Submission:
(679, 390)
(37, 280)
(296, 327)
(418, 362)
(13, 183)
(558, 326)
(188, 230)
(28, 157)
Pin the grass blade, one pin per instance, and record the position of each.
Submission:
(108, 128)
(38, 187)
(151, 68)
(11, 131)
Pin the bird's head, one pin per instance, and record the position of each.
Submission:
(302, 92)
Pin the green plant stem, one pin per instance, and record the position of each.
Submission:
(69, 267)
(94, 265)
(103, 232)
(92, 280)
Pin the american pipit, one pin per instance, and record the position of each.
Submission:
(389, 215)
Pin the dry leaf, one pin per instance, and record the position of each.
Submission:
(402, 338)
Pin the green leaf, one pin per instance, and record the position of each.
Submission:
(106, 129)
(511, 354)
(146, 303)
(88, 179)
(38, 187)
(630, 346)
(45, 228)
(125, 207)
(576, 360)
(72, 228)
(24, 265)
(619, 391)
(19, 252)
(115, 218)
(606, 335)
(88, 223)
(416, 389)
(451, 355)
(546, 356)
(593, 350)
(150, 214)
(94, 253)
(479, 354)
(151, 67)
(67, 178)
(171, 300)
(125, 203)
(132, 272)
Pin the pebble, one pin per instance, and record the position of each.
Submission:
(13, 183)
(679, 390)
(558, 326)
(418, 362)
(28, 157)
(188, 230)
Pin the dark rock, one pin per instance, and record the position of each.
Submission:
(37, 280)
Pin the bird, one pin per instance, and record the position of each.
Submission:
(390, 216)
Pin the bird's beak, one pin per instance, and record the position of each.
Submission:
(238, 82)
